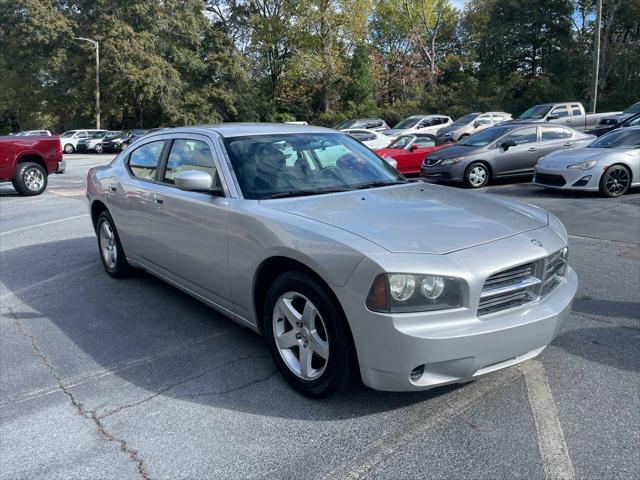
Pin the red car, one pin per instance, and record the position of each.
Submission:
(26, 162)
(409, 151)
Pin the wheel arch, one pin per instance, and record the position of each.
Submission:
(626, 167)
(97, 207)
(34, 158)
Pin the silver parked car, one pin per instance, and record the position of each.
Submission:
(470, 124)
(508, 149)
(306, 236)
(611, 165)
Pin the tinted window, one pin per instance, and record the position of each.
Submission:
(143, 161)
(189, 155)
(522, 136)
(425, 142)
(576, 111)
(362, 137)
(554, 133)
(407, 122)
(465, 120)
(485, 137)
(623, 138)
(82, 135)
(560, 112)
(539, 111)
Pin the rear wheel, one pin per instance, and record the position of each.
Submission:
(476, 175)
(68, 148)
(99, 148)
(29, 179)
(615, 181)
(307, 335)
(111, 252)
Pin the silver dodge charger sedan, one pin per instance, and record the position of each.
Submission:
(307, 237)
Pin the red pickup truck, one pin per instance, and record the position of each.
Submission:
(28, 161)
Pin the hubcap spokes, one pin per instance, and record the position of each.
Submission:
(300, 335)
(617, 182)
(477, 176)
(34, 179)
(108, 245)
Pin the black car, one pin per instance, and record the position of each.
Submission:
(632, 121)
(120, 142)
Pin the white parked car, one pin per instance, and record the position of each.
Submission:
(373, 140)
(33, 133)
(419, 123)
(470, 124)
(70, 138)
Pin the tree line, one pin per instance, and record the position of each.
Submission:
(178, 62)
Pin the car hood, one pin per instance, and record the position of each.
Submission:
(563, 158)
(452, 151)
(417, 217)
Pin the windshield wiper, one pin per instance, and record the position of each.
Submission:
(303, 193)
(362, 186)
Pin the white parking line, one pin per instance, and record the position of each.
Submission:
(553, 449)
(38, 225)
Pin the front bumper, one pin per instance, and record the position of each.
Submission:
(454, 173)
(454, 346)
(62, 166)
(568, 178)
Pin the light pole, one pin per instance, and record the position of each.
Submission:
(596, 57)
(97, 46)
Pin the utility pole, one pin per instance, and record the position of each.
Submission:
(97, 47)
(596, 57)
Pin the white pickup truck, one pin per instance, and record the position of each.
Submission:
(571, 114)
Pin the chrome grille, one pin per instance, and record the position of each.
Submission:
(522, 284)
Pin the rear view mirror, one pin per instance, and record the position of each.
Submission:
(195, 181)
(507, 144)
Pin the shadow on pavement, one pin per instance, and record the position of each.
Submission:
(159, 339)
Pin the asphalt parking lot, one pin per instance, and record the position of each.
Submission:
(104, 379)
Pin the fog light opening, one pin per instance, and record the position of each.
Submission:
(583, 181)
(416, 373)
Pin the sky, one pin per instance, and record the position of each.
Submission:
(458, 4)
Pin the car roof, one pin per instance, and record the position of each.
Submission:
(230, 130)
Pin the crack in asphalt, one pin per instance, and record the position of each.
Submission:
(79, 407)
(231, 390)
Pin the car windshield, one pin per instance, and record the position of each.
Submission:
(466, 120)
(635, 108)
(346, 124)
(408, 122)
(287, 165)
(402, 142)
(485, 137)
(618, 139)
(539, 111)
(68, 133)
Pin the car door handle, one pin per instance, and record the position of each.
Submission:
(568, 144)
(113, 188)
(158, 199)
(533, 149)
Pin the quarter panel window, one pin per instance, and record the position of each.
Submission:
(189, 155)
(143, 161)
(522, 136)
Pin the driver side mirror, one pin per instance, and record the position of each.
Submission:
(196, 181)
(413, 148)
(506, 145)
(552, 116)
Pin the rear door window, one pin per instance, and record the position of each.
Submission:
(144, 160)
(554, 133)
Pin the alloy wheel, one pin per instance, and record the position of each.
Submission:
(617, 181)
(108, 246)
(477, 176)
(33, 179)
(300, 336)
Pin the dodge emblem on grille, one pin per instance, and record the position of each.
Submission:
(536, 242)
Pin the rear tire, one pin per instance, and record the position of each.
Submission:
(615, 182)
(99, 148)
(112, 255)
(29, 179)
(476, 175)
(68, 148)
(303, 325)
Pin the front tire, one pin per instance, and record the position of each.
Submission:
(476, 175)
(29, 179)
(308, 336)
(68, 148)
(615, 181)
(110, 249)
(99, 148)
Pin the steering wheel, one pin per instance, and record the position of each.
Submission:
(329, 172)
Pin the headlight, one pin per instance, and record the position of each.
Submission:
(584, 165)
(450, 161)
(403, 292)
